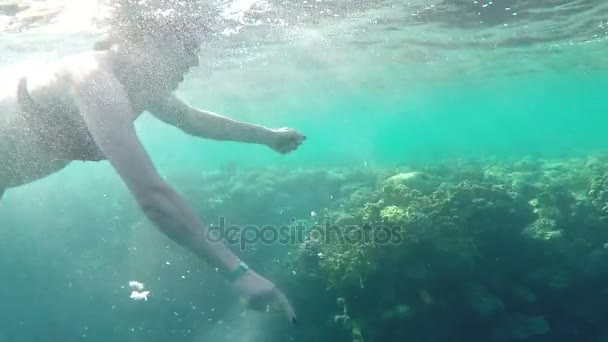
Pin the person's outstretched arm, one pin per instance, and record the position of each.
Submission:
(209, 125)
(106, 111)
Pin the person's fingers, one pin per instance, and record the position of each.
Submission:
(287, 147)
(289, 144)
(275, 299)
(285, 307)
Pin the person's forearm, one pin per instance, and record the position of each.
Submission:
(170, 213)
(210, 125)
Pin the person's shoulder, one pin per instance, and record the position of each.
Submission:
(62, 77)
(85, 71)
(83, 65)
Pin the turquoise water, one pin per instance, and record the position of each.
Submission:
(546, 114)
(377, 98)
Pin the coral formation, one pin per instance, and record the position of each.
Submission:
(476, 250)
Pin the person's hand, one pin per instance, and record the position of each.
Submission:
(262, 295)
(285, 140)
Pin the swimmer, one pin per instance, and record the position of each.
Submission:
(83, 108)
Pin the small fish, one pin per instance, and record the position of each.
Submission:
(425, 296)
(140, 295)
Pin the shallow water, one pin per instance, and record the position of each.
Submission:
(373, 84)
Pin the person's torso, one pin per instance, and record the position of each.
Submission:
(45, 132)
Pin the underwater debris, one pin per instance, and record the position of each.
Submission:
(137, 285)
(136, 295)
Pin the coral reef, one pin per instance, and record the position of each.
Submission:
(459, 251)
